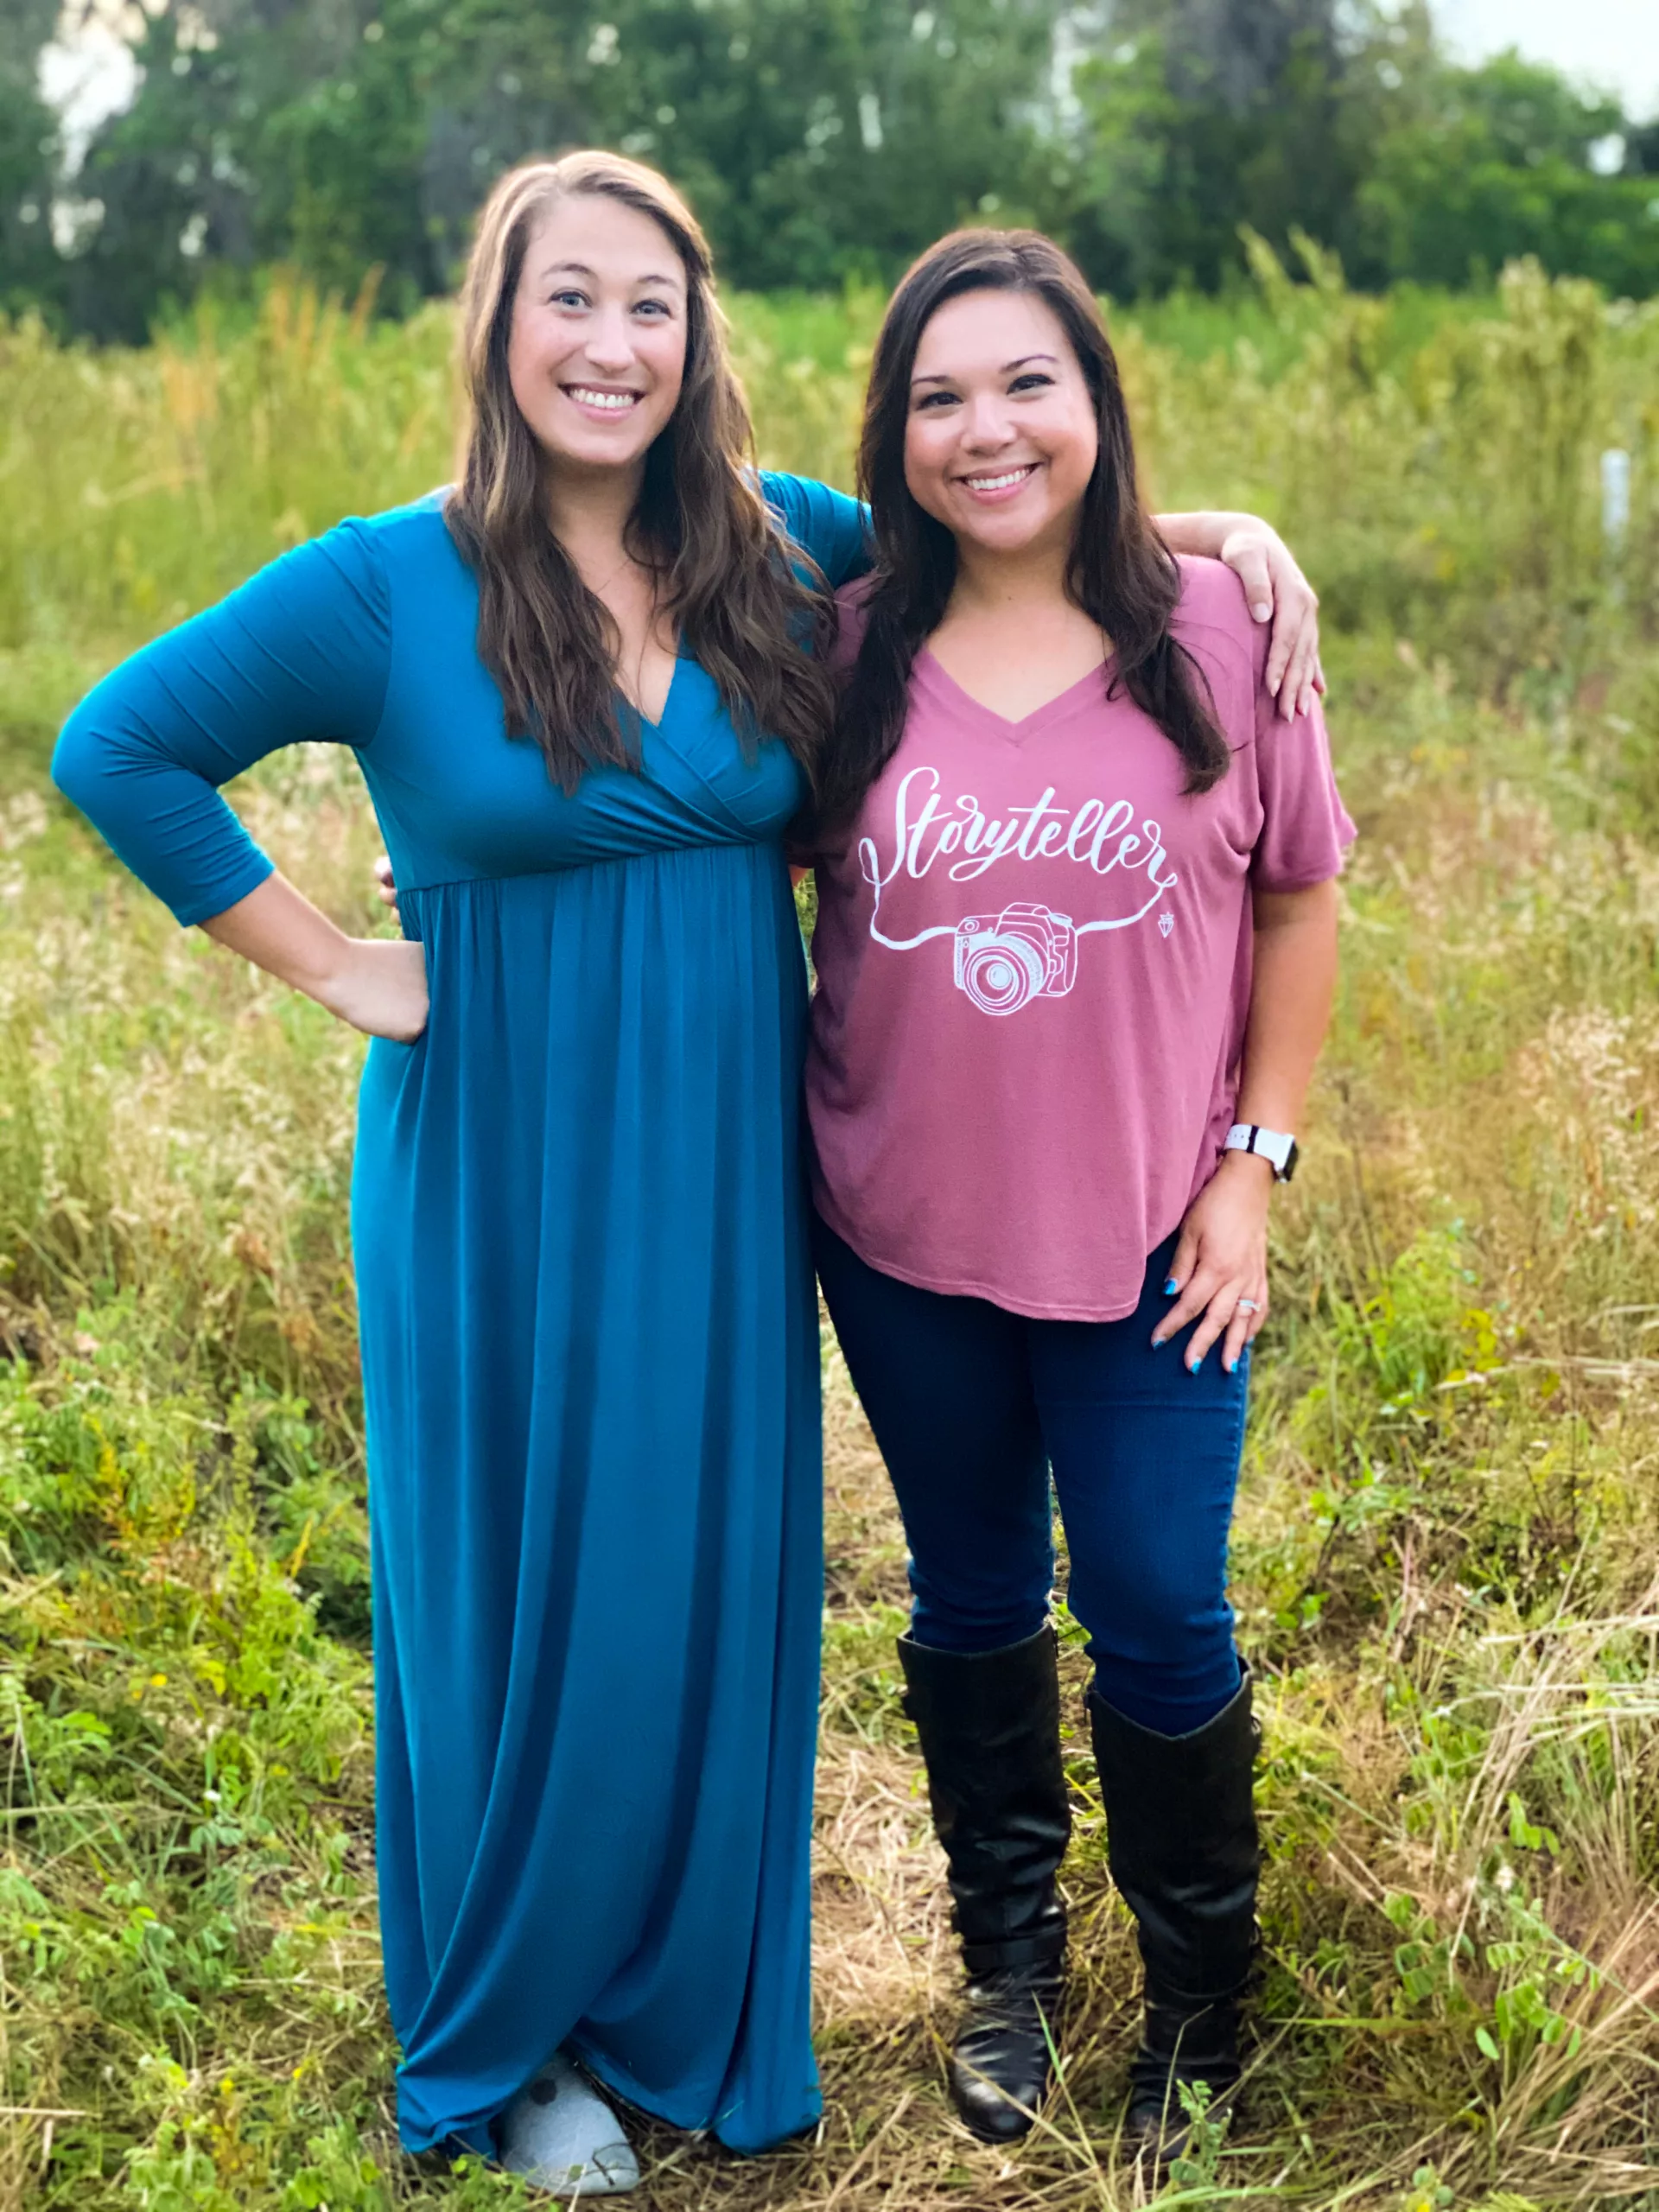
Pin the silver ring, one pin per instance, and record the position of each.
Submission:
(1247, 1305)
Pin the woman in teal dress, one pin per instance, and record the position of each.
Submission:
(584, 694)
(589, 1335)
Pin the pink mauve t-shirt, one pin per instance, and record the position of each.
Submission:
(1034, 963)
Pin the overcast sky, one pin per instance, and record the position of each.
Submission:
(1612, 44)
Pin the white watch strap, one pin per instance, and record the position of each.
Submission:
(1271, 1145)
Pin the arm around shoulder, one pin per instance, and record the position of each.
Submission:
(1275, 590)
(828, 525)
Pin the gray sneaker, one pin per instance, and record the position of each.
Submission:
(561, 2135)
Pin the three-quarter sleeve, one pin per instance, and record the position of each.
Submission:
(302, 651)
(834, 529)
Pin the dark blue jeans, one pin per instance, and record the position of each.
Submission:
(973, 1407)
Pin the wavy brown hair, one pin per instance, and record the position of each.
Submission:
(748, 607)
(1121, 572)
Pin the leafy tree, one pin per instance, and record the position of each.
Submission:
(1495, 161)
(30, 269)
(1205, 115)
(836, 139)
(816, 141)
(1351, 126)
(261, 131)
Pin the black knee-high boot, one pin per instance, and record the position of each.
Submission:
(990, 1723)
(1181, 1841)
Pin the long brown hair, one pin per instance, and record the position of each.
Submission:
(1121, 572)
(746, 606)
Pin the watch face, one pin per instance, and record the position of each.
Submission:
(1291, 1159)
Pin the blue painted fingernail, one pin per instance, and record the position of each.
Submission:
(1171, 1287)
(1158, 1343)
(1196, 1365)
(1232, 1367)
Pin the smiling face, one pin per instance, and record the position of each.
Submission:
(597, 353)
(1001, 435)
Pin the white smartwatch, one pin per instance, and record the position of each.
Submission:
(1279, 1150)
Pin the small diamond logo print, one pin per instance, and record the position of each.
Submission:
(1166, 922)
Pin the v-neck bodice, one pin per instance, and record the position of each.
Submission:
(459, 800)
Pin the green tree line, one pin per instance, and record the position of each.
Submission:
(820, 139)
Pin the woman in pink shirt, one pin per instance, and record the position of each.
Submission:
(1075, 947)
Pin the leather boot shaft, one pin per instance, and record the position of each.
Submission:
(989, 1724)
(1183, 1847)
(1181, 1842)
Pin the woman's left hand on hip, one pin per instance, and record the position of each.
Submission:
(1218, 1277)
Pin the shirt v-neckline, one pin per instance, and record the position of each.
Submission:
(1017, 730)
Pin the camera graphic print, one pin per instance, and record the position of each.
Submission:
(1005, 960)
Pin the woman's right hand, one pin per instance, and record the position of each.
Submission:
(379, 987)
(377, 984)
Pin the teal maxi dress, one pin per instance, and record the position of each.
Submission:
(589, 1331)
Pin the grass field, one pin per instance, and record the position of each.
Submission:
(1445, 1568)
